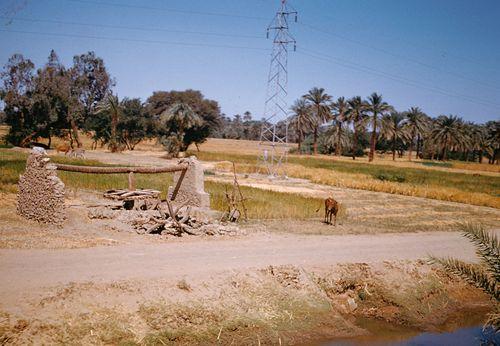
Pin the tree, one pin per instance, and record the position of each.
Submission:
(376, 106)
(416, 124)
(135, 123)
(493, 128)
(340, 109)
(112, 107)
(357, 115)
(50, 101)
(17, 89)
(175, 122)
(89, 84)
(208, 110)
(334, 138)
(393, 129)
(301, 119)
(448, 133)
(318, 100)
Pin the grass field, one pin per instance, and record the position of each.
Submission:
(231, 146)
(471, 183)
(261, 204)
(477, 189)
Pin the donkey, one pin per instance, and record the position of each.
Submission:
(331, 210)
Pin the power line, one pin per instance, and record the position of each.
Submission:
(133, 40)
(399, 56)
(138, 28)
(163, 9)
(466, 59)
(399, 79)
(316, 55)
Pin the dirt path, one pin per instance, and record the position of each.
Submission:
(24, 272)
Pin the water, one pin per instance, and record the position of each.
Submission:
(461, 337)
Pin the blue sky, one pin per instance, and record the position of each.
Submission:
(443, 56)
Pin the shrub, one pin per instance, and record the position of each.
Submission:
(397, 178)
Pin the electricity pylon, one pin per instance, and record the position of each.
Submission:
(274, 142)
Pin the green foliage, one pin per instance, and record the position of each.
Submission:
(173, 125)
(133, 123)
(487, 248)
(55, 101)
(208, 110)
(397, 178)
(485, 275)
(437, 164)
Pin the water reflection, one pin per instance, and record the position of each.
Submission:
(461, 337)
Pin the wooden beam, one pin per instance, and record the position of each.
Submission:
(178, 185)
(113, 170)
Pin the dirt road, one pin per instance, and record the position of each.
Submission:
(25, 271)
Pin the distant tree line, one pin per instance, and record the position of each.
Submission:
(347, 126)
(60, 101)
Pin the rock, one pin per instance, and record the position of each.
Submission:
(352, 304)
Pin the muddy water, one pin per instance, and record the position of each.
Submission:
(466, 330)
(461, 337)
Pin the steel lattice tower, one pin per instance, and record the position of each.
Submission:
(274, 144)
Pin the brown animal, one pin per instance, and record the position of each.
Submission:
(331, 210)
(63, 148)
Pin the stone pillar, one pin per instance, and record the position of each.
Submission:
(41, 192)
(192, 189)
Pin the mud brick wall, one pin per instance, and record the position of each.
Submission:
(192, 190)
(41, 192)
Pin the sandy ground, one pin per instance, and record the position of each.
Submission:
(24, 272)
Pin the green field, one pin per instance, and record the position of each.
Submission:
(478, 189)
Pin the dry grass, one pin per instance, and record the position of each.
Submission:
(245, 147)
(480, 190)
(276, 305)
(261, 204)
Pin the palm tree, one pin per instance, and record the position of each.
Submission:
(111, 105)
(449, 134)
(340, 109)
(178, 119)
(301, 119)
(416, 123)
(484, 275)
(376, 107)
(318, 100)
(394, 129)
(336, 136)
(356, 115)
(493, 128)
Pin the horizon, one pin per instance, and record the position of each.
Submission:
(442, 62)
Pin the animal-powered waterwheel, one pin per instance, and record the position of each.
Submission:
(132, 198)
(146, 199)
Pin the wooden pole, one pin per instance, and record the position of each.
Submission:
(113, 170)
(131, 181)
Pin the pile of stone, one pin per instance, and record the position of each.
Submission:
(166, 220)
(41, 192)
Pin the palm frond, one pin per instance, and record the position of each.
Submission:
(487, 247)
(472, 273)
